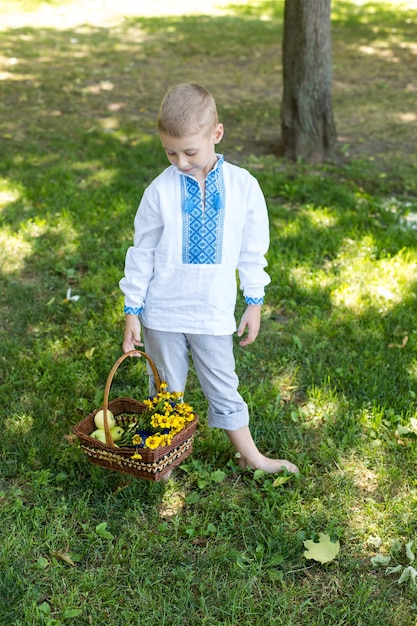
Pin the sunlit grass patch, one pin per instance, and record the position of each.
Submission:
(14, 250)
(321, 405)
(9, 193)
(18, 424)
(366, 281)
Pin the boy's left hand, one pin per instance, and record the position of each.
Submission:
(251, 320)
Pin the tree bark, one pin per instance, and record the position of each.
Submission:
(308, 130)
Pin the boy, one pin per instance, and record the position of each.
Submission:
(198, 222)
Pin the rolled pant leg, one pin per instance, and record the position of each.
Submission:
(215, 367)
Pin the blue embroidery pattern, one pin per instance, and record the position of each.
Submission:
(254, 300)
(130, 310)
(202, 230)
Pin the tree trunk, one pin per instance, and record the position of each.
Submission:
(307, 125)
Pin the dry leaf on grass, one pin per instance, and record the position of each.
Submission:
(323, 551)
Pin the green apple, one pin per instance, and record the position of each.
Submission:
(116, 433)
(99, 434)
(99, 419)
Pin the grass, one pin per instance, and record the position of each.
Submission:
(330, 381)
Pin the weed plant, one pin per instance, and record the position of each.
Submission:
(330, 382)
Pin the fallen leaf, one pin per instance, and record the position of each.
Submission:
(72, 613)
(64, 556)
(394, 570)
(379, 559)
(408, 573)
(374, 541)
(89, 353)
(323, 551)
(409, 552)
(399, 345)
(281, 480)
(410, 429)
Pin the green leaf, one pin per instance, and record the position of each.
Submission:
(218, 476)
(409, 552)
(380, 560)
(394, 570)
(44, 608)
(281, 480)
(410, 429)
(61, 477)
(408, 573)
(323, 551)
(192, 498)
(296, 339)
(72, 613)
(102, 532)
(258, 474)
(404, 431)
(42, 563)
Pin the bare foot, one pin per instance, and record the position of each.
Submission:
(249, 455)
(272, 466)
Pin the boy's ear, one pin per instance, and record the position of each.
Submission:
(218, 133)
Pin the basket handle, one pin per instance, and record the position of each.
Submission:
(109, 438)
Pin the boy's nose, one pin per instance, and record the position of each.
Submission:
(182, 162)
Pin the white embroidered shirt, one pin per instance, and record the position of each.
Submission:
(180, 274)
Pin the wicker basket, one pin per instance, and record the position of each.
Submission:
(154, 464)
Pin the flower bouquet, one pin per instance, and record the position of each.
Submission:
(165, 416)
(143, 438)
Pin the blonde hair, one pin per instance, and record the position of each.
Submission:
(187, 109)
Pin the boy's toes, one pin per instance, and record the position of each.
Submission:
(289, 467)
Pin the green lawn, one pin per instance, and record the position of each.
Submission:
(331, 380)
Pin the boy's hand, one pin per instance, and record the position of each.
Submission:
(132, 336)
(251, 320)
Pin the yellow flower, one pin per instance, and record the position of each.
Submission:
(165, 440)
(164, 421)
(153, 441)
(136, 456)
(137, 440)
(177, 424)
(155, 420)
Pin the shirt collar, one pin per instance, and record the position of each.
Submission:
(217, 165)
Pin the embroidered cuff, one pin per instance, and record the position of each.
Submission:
(254, 300)
(131, 310)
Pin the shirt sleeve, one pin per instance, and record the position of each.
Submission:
(139, 263)
(255, 242)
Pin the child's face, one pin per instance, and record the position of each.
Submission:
(194, 154)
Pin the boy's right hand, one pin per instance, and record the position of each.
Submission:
(132, 336)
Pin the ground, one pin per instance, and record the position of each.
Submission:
(107, 64)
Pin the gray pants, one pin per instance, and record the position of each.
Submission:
(214, 364)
